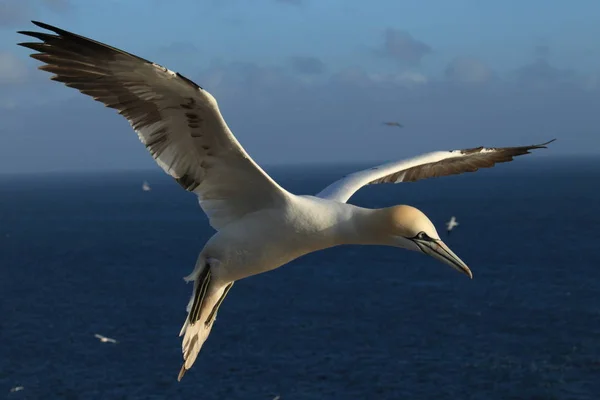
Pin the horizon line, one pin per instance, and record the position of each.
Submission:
(264, 166)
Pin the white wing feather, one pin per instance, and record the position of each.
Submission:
(342, 189)
(178, 121)
(429, 165)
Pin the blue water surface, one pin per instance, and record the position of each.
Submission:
(92, 253)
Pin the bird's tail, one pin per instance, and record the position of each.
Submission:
(202, 313)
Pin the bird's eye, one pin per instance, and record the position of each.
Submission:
(422, 236)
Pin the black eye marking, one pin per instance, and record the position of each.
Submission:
(422, 236)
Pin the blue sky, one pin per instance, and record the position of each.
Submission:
(312, 81)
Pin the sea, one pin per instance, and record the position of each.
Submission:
(87, 253)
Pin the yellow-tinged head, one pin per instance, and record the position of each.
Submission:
(407, 227)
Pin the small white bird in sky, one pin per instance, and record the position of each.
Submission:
(16, 389)
(105, 339)
(451, 224)
(146, 187)
(260, 225)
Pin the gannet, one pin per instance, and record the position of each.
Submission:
(259, 225)
(393, 124)
(451, 224)
(105, 339)
(146, 187)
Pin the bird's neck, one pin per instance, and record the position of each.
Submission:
(365, 226)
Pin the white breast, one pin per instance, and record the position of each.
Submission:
(268, 239)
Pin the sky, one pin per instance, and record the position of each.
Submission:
(312, 81)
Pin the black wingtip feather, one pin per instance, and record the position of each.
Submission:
(38, 35)
(547, 143)
(540, 146)
(37, 46)
(68, 43)
(75, 39)
(189, 81)
(50, 27)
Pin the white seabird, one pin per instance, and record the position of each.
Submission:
(146, 186)
(451, 224)
(260, 225)
(104, 339)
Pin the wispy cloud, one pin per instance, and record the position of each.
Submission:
(303, 106)
(542, 74)
(468, 70)
(307, 65)
(261, 102)
(403, 47)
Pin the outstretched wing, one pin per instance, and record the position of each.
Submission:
(430, 165)
(178, 121)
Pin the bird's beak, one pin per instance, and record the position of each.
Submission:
(438, 249)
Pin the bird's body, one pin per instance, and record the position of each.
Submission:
(392, 123)
(104, 339)
(451, 224)
(260, 225)
(270, 238)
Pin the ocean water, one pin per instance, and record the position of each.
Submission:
(92, 253)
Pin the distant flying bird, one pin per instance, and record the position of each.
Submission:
(260, 225)
(451, 224)
(105, 339)
(393, 124)
(146, 187)
(16, 389)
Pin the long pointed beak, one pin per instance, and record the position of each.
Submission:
(438, 249)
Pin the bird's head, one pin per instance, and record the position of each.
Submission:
(408, 228)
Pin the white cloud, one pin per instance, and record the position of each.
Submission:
(404, 78)
(402, 46)
(542, 74)
(468, 70)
